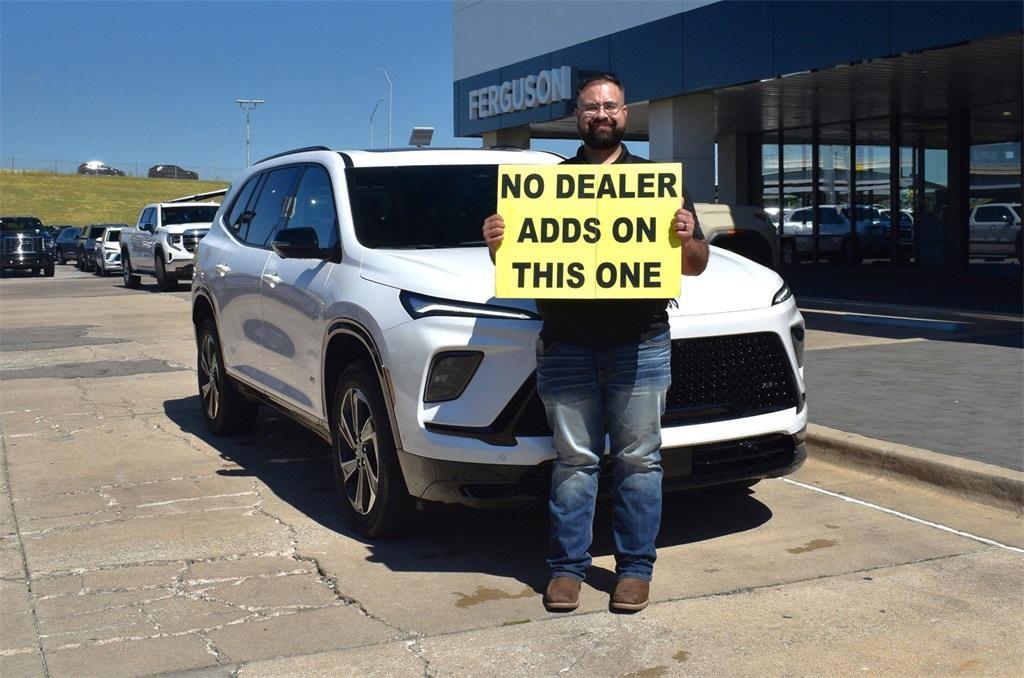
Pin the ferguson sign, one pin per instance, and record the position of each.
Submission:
(517, 95)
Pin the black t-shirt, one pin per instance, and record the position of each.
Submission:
(607, 322)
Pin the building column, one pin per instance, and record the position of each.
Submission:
(682, 129)
(516, 137)
(734, 168)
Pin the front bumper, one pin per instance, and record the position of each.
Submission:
(685, 468)
(27, 260)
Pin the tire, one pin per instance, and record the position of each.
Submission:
(164, 280)
(225, 410)
(131, 281)
(369, 480)
(96, 270)
(35, 270)
(1019, 250)
(48, 271)
(789, 254)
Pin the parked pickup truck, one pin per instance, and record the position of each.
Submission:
(163, 242)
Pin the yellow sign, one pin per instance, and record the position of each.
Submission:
(589, 231)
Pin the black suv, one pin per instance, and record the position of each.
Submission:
(65, 248)
(171, 172)
(26, 245)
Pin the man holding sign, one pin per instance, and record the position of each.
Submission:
(603, 358)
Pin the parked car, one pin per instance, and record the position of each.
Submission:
(25, 244)
(163, 242)
(85, 242)
(98, 167)
(171, 172)
(871, 238)
(995, 230)
(797, 240)
(107, 250)
(65, 244)
(353, 291)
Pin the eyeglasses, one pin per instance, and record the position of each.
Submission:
(609, 107)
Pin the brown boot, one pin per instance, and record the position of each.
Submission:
(630, 595)
(563, 594)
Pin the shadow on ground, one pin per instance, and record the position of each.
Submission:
(295, 464)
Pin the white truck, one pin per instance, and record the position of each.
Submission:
(163, 241)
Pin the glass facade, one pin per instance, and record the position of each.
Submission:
(878, 190)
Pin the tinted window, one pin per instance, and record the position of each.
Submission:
(271, 206)
(193, 214)
(235, 219)
(422, 207)
(314, 206)
(801, 216)
(113, 236)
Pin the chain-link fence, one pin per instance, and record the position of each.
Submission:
(127, 168)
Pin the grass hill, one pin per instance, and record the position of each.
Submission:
(81, 199)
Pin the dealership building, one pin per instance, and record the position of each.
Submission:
(785, 105)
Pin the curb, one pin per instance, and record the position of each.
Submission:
(993, 485)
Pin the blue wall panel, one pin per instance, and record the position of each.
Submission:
(726, 43)
(811, 35)
(924, 25)
(659, 44)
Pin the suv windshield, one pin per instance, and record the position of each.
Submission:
(196, 214)
(422, 207)
(15, 224)
(113, 236)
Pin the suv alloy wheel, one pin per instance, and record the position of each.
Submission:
(366, 471)
(225, 410)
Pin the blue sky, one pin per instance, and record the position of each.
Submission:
(141, 83)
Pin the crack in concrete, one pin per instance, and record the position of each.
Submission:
(325, 578)
(413, 646)
(9, 498)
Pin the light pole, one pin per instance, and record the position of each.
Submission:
(390, 102)
(371, 120)
(248, 105)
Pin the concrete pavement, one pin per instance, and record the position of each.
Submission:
(133, 543)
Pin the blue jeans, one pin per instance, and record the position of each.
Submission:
(590, 392)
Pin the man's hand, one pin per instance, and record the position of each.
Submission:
(695, 252)
(494, 232)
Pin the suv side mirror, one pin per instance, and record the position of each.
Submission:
(300, 243)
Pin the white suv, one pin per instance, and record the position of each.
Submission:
(353, 291)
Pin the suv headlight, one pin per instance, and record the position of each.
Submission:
(784, 294)
(176, 239)
(421, 306)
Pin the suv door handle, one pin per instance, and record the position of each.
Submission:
(223, 269)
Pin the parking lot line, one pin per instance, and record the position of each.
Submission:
(905, 516)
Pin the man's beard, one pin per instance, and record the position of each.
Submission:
(603, 138)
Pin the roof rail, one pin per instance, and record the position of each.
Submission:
(199, 196)
(294, 150)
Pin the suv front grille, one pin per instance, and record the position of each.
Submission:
(739, 375)
(713, 378)
(21, 245)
